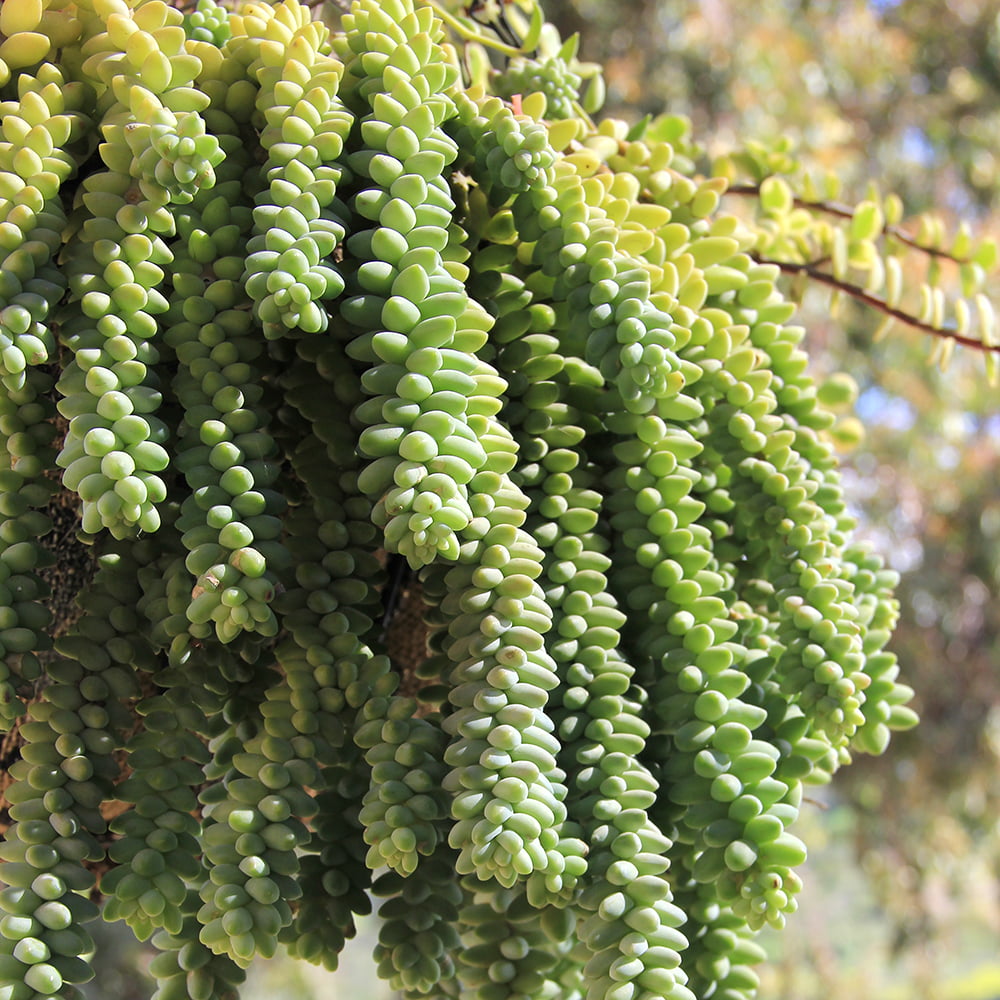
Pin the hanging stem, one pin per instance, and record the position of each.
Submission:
(813, 272)
(842, 211)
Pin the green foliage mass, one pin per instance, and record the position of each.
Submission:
(863, 92)
(311, 320)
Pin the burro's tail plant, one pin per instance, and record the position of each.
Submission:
(463, 527)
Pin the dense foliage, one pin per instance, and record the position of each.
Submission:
(904, 92)
(467, 524)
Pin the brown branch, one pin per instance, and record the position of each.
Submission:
(842, 211)
(858, 293)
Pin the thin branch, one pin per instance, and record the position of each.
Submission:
(842, 211)
(858, 293)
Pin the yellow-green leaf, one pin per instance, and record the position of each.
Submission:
(986, 255)
(963, 317)
(713, 250)
(867, 222)
(776, 196)
(892, 209)
(962, 243)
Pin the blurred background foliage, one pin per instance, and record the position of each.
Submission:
(903, 886)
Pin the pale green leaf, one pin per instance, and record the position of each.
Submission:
(986, 255)
(594, 94)
(962, 244)
(972, 276)
(876, 275)
(893, 282)
(937, 308)
(926, 304)
(713, 250)
(892, 209)
(987, 320)
(963, 317)
(867, 221)
(776, 196)
(534, 33)
(569, 48)
(838, 253)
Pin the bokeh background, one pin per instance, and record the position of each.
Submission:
(902, 899)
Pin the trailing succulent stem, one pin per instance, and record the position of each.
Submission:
(324, 331)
